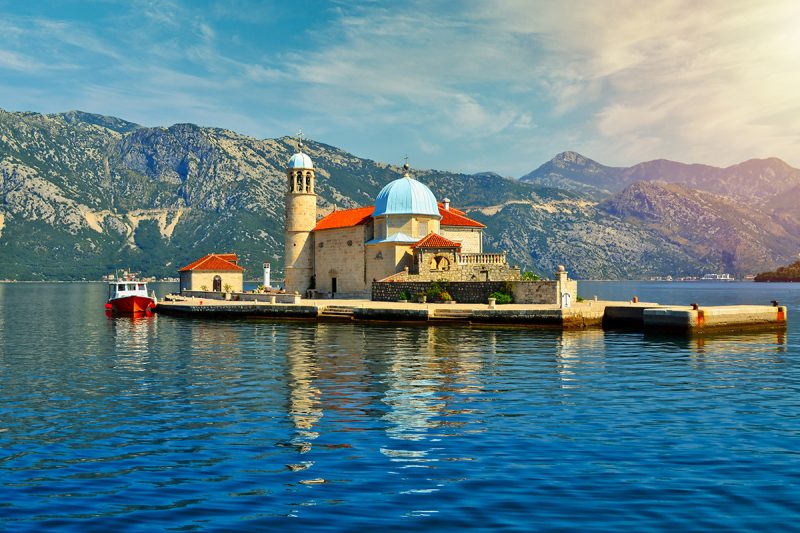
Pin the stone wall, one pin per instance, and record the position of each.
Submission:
(535, 292)
(570, 286)
(466, 273)
(280, 298)
(339, 254)
(464, 292)
(525, 292)
(385, 259)
(470, 238)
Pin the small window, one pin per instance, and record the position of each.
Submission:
(322, 245)
(349, 243)
(121, 287)
(131, 286)
(140, 286)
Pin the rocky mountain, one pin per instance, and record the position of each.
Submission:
(714, 229)
(762, 182)
(573, 172)
(83, 194)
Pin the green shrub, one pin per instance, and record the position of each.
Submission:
(530, 276)
(436, 289)
(579, 299)
(501, 297)
(404, 295)
(445, 297)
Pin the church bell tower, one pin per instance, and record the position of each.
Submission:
(301, 217)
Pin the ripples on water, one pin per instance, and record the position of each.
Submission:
(179, 424)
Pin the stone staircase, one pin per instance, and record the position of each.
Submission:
(341, 312)
(451, 315)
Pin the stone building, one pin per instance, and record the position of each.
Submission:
(214, 272)
(407, 232)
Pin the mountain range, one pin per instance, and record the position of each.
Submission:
(83, 194)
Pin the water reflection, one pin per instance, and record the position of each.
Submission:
(133, 334)
(723, 345)
(305, 408)
(576, 348)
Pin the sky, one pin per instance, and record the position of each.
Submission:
(466, 86)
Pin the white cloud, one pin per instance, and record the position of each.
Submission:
(512, 81)
(709, 81)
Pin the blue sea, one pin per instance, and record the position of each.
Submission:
(176, 424)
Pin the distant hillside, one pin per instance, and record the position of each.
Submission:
(83, 194)
(712, 228)
(757, 181)
(784, 273)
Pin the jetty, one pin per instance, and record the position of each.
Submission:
(637, 316)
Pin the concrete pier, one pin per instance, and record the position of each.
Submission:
(719, 318)
(635, 316)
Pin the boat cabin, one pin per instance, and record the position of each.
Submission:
(121, 289)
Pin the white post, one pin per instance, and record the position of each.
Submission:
(267, 275)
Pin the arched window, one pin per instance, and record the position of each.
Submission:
(217, 284)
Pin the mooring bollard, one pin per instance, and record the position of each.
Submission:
(695, 307)
(636, 299)
(492, 302)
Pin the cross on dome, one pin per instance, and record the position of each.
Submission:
(300, 160)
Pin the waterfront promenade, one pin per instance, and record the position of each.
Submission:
(586, 314)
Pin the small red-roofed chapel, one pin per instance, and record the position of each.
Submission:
(213, 272)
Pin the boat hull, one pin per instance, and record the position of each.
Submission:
(131, 304)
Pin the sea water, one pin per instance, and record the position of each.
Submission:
(179, 424)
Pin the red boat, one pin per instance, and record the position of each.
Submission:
(129, 297)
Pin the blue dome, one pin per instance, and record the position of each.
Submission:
(406, 196)
(300, 160)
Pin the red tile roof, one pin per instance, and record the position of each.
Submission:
(434, 240)
(214, 262)
(455, 217)
(233, 258)
(346, 218)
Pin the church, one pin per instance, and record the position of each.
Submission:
(406, 235)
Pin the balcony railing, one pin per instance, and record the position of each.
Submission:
(482, 259)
